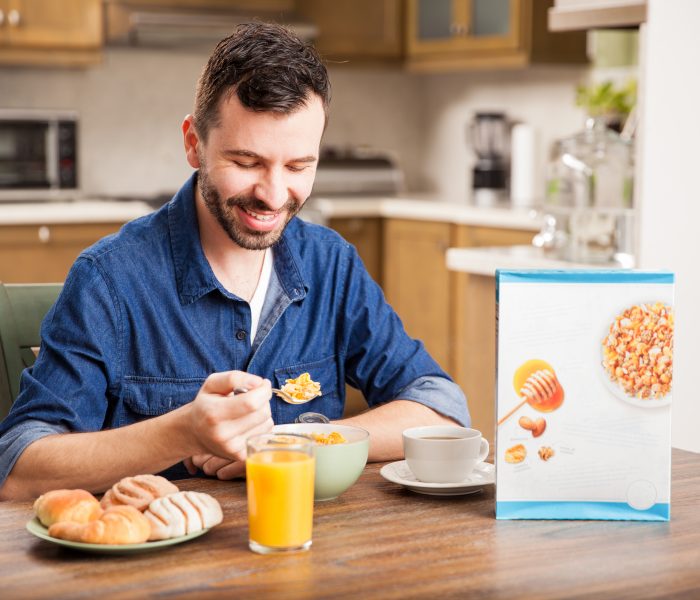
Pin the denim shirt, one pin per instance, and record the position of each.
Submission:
(142, 321)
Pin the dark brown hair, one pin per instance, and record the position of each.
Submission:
(267, 67)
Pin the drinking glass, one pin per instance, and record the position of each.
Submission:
(280, 484)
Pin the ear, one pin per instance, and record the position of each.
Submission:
(191, 140)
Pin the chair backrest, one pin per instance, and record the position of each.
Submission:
(22, 308)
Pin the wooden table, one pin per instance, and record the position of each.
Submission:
(380, 541)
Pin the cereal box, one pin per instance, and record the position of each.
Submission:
(584, 388)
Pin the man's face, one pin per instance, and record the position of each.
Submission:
(257, 169)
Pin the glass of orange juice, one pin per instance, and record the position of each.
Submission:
(280, 483)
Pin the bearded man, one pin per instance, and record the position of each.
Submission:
(160, 352)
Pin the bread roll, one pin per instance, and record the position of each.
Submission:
(182, 513)
(79, 506)
(138, 491)
(117, 525)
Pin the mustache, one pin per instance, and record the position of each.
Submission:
(253, 204)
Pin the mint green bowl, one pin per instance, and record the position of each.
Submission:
(338, 466)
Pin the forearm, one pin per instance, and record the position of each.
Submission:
(96, 460)
(386, 422)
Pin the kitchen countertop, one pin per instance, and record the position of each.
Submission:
(485, 261)
(424, 208)
(76, 211)
(318, 209)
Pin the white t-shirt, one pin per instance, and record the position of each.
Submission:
(256, 302)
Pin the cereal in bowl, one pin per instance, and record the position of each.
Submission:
(638, 350)
(328, 439)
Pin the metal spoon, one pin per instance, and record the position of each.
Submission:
(281, 394)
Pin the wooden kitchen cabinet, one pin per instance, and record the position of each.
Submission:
(366, 234)
(474, 359)
(416, 281)
(45, 253)
(243, 5)
(357, 30)
(458, 34)
(48, 32)
(478, 235)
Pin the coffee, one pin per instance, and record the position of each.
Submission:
(451, 460)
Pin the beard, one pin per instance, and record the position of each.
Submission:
(224, 211)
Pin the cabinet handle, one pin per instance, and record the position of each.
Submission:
(14, 18)
(44, 234)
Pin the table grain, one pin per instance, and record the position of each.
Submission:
(379, 540)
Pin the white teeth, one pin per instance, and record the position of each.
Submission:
(259, 217)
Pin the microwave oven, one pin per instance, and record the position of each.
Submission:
(38, 154)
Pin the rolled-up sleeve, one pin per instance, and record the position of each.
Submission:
(67, 388)
(15, 441)
(440, 394)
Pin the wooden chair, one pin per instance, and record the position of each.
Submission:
(22, 308)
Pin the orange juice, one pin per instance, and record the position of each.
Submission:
(280, 486)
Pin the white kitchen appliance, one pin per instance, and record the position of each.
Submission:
(357, 171)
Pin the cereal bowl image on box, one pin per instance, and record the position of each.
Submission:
(341, 455)
(637, 354)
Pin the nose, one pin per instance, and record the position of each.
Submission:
(272, 189)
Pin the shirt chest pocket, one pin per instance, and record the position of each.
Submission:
(329, 403)
(145, 397)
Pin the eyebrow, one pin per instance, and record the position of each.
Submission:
(249, 154)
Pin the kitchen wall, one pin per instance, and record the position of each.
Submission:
(670, 193)
(541, 96)
(131, 107)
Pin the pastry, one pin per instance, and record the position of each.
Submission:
(182, 513)
(117, 525)
(79, 506)
(516, 454)
(138, 491)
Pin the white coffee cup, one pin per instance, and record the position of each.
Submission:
(443, 453)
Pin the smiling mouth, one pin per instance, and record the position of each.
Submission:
(258, 216)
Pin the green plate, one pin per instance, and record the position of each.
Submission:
(36, 528)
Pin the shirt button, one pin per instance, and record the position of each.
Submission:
(240, 335)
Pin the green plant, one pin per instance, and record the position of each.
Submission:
(606, 100)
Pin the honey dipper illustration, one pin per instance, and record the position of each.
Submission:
(538, 386)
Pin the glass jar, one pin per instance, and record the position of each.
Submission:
(589, 194)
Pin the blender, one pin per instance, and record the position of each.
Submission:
(490, 134)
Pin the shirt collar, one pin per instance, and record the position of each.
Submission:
(193, 272)
(288, 262)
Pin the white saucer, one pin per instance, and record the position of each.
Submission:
(398, 472)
